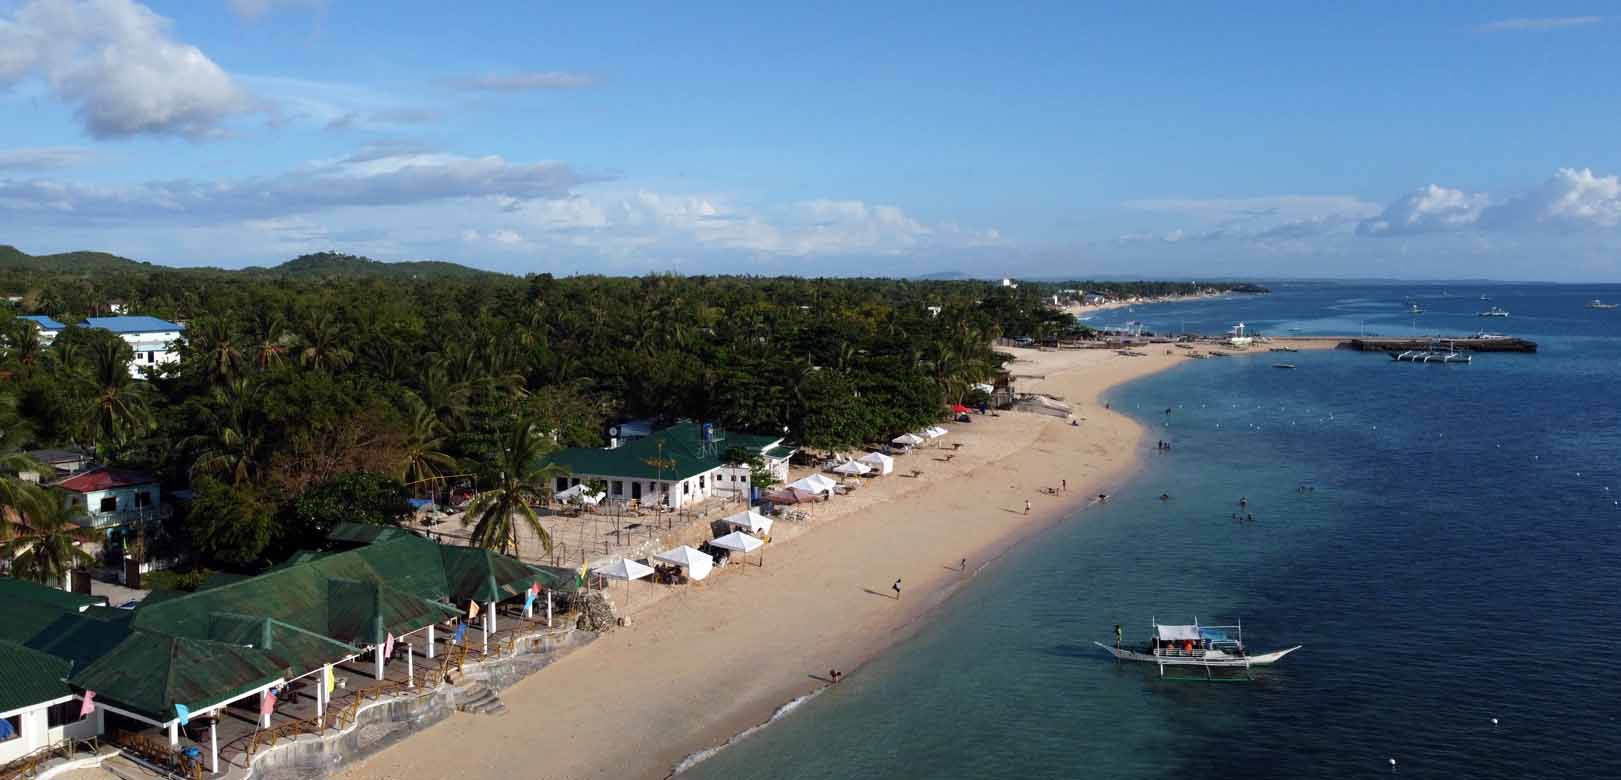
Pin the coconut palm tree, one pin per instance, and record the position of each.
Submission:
(321, 345)
(423, 460)
(232, 433)
(17, 497)
(215, 350)
(496, 514)
(268, 339)
(45, 546)
(120, 405)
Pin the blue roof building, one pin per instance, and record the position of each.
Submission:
(44, 322)
(133, 324)
(153, 340)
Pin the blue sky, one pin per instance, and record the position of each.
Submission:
(1465, 139)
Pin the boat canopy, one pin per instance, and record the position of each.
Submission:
(1177, 633)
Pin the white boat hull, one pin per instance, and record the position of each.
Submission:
(1214, 658)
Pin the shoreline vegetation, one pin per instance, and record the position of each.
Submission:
(822, 600)
(334, 389)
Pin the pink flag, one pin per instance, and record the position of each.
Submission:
(535, 589)
(267, 705)
(472, 609)
(89, 704)
(388, 647)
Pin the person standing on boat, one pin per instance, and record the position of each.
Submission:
(1117, 636)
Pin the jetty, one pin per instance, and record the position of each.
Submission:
(1460, 343)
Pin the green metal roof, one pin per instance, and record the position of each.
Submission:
(363, 533)
(474, 573)
(29, 677)
(148, 673)
(13, 589)
(780, 451)
(678, 446)
(558, 578)
(287, 645)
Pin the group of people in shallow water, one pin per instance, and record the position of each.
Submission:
(1162, 445)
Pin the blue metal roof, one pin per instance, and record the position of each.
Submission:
(131, 324)
(44, 322)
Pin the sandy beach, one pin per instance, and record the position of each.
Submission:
(699, 665)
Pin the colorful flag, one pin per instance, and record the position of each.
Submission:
(528, 601)
(579, 579)
(472, 609)
(267, 704)
(331, 680)
(388, 646)
(89, 704)
(461, 631)
(535, 588)
(183, 712)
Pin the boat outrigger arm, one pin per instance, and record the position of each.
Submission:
(1208, 647)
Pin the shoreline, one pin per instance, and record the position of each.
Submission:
(820, 602)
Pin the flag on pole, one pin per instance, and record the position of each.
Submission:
(579, 579)
(535, 588)
(183, 712)
(461, 631)
(388, 646)
(89, 704)
(267, 705)
(528, 601)
(331, 681)
(472, 609)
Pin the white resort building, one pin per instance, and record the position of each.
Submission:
(676, 466)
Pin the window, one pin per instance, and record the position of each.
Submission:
(12, 729)
(744, 479)
(62, 714)
(143, 500)
(151, 357)
(562, 484)
(109, 504)
(686, 487)
(700, 482)
(617, 487)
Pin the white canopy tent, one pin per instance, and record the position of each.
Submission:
(852, 468)
(627, 570)
(882, 463)
(907, 440)
(815, 483)
(751, 521)
(936, 431)
(698, 564)
(580, 493)
(740, 542)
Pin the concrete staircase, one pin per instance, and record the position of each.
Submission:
(477, 698)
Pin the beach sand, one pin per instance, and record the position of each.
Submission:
(701, 664)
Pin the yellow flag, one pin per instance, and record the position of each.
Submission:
(472, 609)
(331, 681)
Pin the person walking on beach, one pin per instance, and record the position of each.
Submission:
(1027, 506)
(962, 565)
(897, 588)
(834, 675)
(1064, 485)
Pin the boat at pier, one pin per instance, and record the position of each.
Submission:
(1433, 354)
(1204, 647)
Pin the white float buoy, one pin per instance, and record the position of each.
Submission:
(1494, 721)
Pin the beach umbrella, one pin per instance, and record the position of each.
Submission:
(751, 521)
(697, 563)
(740, 542)
(959, 409)
(907, 440)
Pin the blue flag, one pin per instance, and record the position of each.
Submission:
(184, 712)
(528, 600)
(461, 631)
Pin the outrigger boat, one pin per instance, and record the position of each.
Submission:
(1206, 647)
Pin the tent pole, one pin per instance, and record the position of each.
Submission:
(410, 666)
(214, 745)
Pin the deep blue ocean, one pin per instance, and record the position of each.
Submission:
(1445, 541)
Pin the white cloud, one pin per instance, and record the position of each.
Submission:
(42, 158)
(1428, 209)
(1267, 205)
(114, 61)
(1263, 218)
(1571, 199)
(254, 9)
(525, 81)
(1540, 23)
(373, 178)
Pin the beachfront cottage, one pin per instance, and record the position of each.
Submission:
(155, 341)
(105, 498)
(676, 466)
(37, 708)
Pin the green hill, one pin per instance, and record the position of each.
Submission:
(14, 259)
(325, 265)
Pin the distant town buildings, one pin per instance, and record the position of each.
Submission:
(153, 340)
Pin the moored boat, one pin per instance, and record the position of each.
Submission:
(1598, 304)
(1206, 647)
(1494, 312)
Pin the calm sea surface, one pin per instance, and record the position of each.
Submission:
(1444, 540)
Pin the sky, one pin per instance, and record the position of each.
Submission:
(1185, 140)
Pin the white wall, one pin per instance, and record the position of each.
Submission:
(90, 503)
(34, 732)
(152, 349)
(688, 491)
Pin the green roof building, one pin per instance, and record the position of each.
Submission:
(675, 466)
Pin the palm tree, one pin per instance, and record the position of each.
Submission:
(232, 433)
(423, 461)
(495, 514)
(120, 405)
(268, 339)
(17, 497)
(45, 545)
(216, 350)
(321, 345)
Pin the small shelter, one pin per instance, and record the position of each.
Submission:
(740, 542)
(852, 468)
(751, 521)
(627, 570)
(935, 431)
(815, 484)
(698, 564)
(880, 462)
(907, 440)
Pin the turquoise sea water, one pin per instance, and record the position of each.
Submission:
(1456, 558)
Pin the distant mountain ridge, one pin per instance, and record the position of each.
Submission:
(320, 265)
